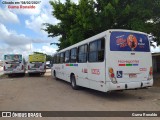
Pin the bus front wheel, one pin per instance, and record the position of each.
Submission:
(73, 83)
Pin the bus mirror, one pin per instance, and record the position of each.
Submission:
(150, 38)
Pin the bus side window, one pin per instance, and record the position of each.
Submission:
(67, 56)
(101, 48)
(73, 55)
(62, 58)
(82, 53)
(96, 50)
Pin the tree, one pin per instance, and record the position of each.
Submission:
(90, 17)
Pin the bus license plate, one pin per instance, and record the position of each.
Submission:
(132, 75)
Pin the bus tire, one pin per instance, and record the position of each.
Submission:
(9, 75)
(22, 74)
(29, 74)
(73, 83)
(43, 73)
(54, 74)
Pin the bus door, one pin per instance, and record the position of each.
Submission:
(82, 68)
(96, 64)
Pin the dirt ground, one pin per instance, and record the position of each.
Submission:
(47, 94)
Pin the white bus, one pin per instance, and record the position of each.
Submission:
(36, 64)
(112, 60)
(13, 64)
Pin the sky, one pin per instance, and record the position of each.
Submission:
(21, 29)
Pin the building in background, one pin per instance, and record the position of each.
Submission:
(156, 61)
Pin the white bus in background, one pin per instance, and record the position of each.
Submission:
(36, 64)
(112, 60)
(13, 64)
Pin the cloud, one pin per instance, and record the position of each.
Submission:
(12, 38)
(47, 49)
(35, 22)
(12, 42)
(26, 50)
(45, 16)
(8, 16)
(75, 1)
(23, 49)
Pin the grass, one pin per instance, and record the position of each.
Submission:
(3, 76)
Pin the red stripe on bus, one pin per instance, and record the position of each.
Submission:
(122, 64)
(67, 64)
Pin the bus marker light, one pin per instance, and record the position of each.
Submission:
(112, 75)
(151, 71)
(110, 70)
(150, 76)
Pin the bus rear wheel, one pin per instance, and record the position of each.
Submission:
(29, 74)
(73, 83)
(22, 74)
(54, 74)
(10, 75)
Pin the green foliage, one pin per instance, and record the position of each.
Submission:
(38, 53)
(90, 17)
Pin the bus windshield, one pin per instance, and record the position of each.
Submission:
(128, 41)
(13, 58)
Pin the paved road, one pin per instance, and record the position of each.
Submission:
(46, 94)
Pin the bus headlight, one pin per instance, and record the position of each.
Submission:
(150, 75)
(112, 75)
